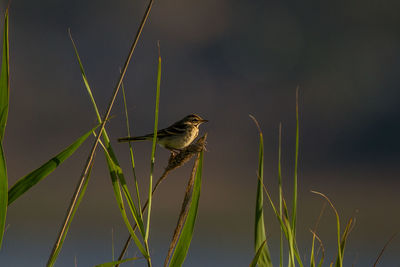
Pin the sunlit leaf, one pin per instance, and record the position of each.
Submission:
(258, 253)
(185, 238)
(4, 98)
(25, 183)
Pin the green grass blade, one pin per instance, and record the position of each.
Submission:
(4, 99)
(131, 154)
(54, 255)
(339, 260)
(280, 192)
(290, 243)
(259, 228)
(296, 160)
(91, 155)
(277, 214)
(128, 196)
(182, 247)
(257, 256)
(4, 80)
(117, 192)
(25, 183)
(312, 257)
(153, 149)
(3, 193)
(115, 170)
(343, 243)
(117, 175)
(85, 80)
(113, 263)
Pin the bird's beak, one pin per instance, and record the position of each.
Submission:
(203, 121)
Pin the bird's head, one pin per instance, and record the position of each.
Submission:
(193, 119)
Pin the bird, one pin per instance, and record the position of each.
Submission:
(175, 137)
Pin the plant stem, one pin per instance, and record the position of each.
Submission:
(68, 217)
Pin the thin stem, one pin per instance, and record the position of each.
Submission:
(131, 154)
(280, 191)
(128, 240)
(296, 160)
(90, 158)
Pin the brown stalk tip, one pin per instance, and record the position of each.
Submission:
(177, 160)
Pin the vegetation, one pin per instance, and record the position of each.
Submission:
(135, 213)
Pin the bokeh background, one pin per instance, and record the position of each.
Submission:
(223, 60)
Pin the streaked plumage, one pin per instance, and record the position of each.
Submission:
(177, 136)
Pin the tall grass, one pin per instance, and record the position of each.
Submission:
(133, 212)
(287, 222)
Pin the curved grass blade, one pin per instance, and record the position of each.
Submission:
(315, 236)
(259, 228)
(4, 102)
(339, 259)
(25, 183)
(115, 170)
(185, 238)
(113, 263)
(116, 174)
(91, 155)
(257, 256)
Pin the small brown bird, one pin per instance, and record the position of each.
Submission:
(175, 137)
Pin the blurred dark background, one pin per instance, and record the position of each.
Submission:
(223, 60)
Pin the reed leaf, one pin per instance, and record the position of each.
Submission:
(31, 179)
(4, 79)
(4, 102)
(114, 173)
(182, 246)
(3, 193)
(153, 148)
(259, 228)
(258, 253)
(91, 156)
(296, 161)
(115, 170)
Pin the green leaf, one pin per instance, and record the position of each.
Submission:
(3, 193)
(259, 227)
(116, 174)
(153, 149)
(25, 183)
(111, 264)
(4, 80)
(296, 163)
(4, 97)
(185, 238)
(257, 256)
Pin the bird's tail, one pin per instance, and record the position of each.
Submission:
(132, 139)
